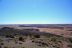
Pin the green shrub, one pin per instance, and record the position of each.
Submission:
(21, 39)
(2, 43)
(5, 47)
(37, 36)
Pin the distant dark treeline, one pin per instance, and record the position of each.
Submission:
(44, 25)
(52, 27)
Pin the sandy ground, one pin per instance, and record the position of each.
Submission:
(62, 32)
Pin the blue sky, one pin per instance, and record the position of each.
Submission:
(35, 11)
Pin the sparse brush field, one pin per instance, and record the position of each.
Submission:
(33, 38)
(35, 41)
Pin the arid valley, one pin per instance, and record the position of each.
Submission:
(36, 36)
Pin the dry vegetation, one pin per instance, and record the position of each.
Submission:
(34, 38)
